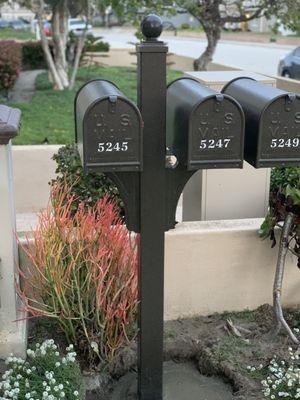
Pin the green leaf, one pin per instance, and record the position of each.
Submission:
(267, 226)
(294, 193)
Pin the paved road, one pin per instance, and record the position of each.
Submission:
(258, 57)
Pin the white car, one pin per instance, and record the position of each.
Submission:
(77, 26)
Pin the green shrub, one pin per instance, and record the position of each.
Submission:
(86, 188)
(185, 26)
(33, 55)
(83, 274)
(284, 198)
(10, 63)
(281, 178)
(95, 44)
(45, 375)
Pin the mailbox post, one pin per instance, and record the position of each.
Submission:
(129, 144)
(152, 103)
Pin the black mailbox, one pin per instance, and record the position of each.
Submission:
(272, 123)
(108, 129)
(205, 129)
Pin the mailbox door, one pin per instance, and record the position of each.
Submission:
(112, 136)
(279, 143)
(216, 135)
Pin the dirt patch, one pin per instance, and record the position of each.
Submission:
(204, 342)
(181, 381)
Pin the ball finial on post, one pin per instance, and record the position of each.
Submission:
(152, 27)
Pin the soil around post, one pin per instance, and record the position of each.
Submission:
(195, 349)
(181, 381)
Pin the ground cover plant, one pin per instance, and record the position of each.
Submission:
(83, 275)
(44, 375)
(49, 118)
(282, 376)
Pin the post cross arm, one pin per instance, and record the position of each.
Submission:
(9, 123)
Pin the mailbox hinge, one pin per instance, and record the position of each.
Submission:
(112, 104)
(290, 98)
(219, 99)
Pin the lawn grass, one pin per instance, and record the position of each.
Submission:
(9, 33)
(50, 115)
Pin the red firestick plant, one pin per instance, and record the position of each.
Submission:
(83, 273)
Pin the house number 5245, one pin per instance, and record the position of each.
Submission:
(110, 146)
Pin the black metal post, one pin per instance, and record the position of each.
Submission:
(152, 104)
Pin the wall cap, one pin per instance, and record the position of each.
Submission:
(9, 123)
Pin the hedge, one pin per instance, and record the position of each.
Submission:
(10, 63)
(33, 55)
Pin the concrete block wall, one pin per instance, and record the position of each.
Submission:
(33, 170)
(217, 266)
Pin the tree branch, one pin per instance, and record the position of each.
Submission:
(80, 46)
(278, 281)
(243, 17)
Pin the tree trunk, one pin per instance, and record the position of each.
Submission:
(45, 44)
(277, 290)
(213, 34)
(80, 47)
(60, 33)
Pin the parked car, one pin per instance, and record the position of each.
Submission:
(77, 26)
(19, 25)
(4, 24)
(289, 65)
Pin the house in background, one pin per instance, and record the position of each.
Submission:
(181, 18)
(12, 10)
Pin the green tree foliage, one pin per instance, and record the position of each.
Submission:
(289, 15)
(214, 14)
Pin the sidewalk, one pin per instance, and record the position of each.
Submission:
(24, 88)
(234, 37)
(250, 37)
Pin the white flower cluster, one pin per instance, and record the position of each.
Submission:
(25, 381)
(283, 381)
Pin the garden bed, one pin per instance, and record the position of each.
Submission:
(202, 341)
